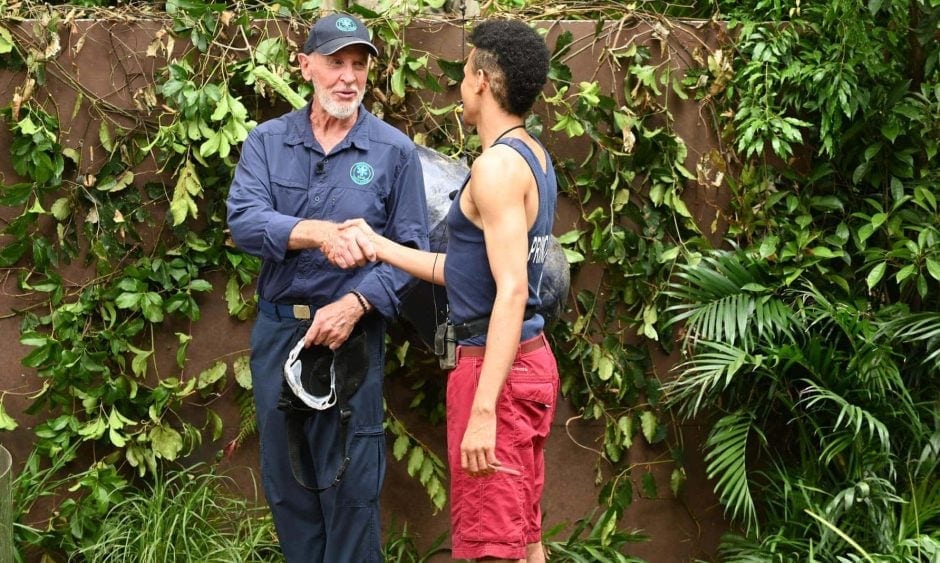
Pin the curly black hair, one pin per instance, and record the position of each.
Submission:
(515, 58)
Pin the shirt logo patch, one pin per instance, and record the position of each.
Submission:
(345, 24)
(361, 173)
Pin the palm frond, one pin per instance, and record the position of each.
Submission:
(847, 415)
(917, 328)
(707, 374)
(723, 298)
(920, 515)
(768, 548)
(874, 365)
(726, 462)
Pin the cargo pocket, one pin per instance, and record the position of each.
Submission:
(494, 510)
(362, 481)
(533, 404)
(541, 393)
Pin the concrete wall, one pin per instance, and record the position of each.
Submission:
(680, 529)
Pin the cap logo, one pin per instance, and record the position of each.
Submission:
(361, 173)
(346, 25)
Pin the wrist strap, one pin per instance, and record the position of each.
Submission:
(362, 301)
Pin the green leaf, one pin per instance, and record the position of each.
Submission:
(200, 285)
(127, 300)
(167, 442)
(242, 368)
(669, 255)
(117, 438)
(104, 136)
(93, 429)
(625, 424)
(211, 375)
(933, 268)
(398, 82)
(876, 274)
(415, 459)
(824, 252)
(187, 186)
(650, 426)
(677, 481)
(573, 257)
(139, 362)
(451, 69)
(212, 145)
(768, 246)
(279, 85)
(905, 273)
(570, 237)
(60, 209)
(7, 422)
(118, 183)
(215, 423)
(605, 368)
(400, 447)
(6, 41)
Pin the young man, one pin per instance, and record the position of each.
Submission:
(298, 177)
(501, 395)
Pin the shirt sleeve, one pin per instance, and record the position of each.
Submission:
(407, 224)
(256, 227)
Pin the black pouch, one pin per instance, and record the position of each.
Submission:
(445, 345)
(350, 363)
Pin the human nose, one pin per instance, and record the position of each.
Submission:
(348, 73)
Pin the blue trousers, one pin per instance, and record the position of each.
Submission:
(341, 524)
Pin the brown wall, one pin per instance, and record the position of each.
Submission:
(680, 529)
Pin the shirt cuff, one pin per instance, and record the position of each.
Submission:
(277, 237)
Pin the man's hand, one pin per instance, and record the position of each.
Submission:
(351, 246)
(478, 448)
(333, 323)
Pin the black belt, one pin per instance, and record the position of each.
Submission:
(475, 327)
(301, 312)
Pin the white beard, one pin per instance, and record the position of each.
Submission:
(339, 110)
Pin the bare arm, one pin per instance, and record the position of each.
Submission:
(499, 183)
(357, 238)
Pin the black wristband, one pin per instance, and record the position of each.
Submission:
(362, 301)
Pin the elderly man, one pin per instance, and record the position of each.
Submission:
(299, 175)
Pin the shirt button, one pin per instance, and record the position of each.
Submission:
(316, 198)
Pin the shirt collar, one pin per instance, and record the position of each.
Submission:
(302, 133)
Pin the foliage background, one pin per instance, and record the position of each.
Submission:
(808, 331)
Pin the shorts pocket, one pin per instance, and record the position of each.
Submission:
(533, 407)
(492, 509)
(538, 392)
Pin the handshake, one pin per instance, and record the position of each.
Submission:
(352, 244)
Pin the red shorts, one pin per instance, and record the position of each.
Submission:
(499, 514)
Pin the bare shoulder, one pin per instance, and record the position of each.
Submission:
(499, 162)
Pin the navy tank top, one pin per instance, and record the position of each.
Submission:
(471, 288)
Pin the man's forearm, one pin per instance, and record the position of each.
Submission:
(310, 233)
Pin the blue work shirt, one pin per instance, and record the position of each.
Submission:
(284, 176)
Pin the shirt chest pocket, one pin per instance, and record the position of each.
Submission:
(291, 195)
(348, 202)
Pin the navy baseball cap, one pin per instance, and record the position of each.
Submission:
(332, 33)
